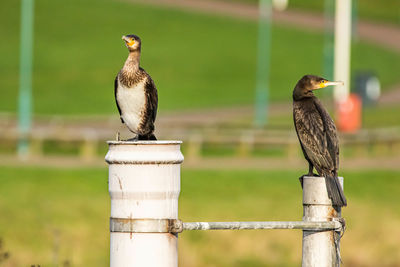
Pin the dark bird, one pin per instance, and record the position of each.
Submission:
(136, 93)
(317, 134)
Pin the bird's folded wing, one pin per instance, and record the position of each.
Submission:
(115, 95)
(152, 98)
(331, 133)
(312, 135)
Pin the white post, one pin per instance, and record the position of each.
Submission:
(144, 185)
(342, 49)
(319, 248)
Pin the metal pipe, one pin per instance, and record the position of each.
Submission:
(319, 248)
(144, 184)
(177, 226)
(316, 226)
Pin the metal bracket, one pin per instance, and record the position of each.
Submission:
(126, 225)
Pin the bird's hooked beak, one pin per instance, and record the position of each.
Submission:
(129, 41)
(325, 83)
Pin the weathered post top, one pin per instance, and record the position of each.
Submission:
(144, 152)
(144, 186)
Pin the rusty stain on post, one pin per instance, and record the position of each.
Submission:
(127, 225)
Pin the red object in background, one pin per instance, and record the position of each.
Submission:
(348, 114)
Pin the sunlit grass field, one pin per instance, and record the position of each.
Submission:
(60, 216)
(197, 61)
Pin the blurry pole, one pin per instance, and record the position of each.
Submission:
(354, 19)
(328, 39)
(25, 79)
(263, 60)
(342, 49)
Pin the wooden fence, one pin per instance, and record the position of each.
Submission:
(240, 141)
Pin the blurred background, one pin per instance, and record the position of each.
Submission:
(225, 78)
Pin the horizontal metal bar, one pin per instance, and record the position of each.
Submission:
(126, 225)
(304, 225)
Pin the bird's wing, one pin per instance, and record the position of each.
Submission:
(331, 133)
(116, 99)
(152, 98)
(313, 138)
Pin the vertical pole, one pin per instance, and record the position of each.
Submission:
(263, 61)
(144, 183)
(25, 79)
(319, 248)
(354, 19)
(342, 49)
(328, 40)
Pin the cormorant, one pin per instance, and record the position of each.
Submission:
(317, 134)
(136, 94)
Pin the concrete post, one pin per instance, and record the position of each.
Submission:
(319, 248)
(144, 185)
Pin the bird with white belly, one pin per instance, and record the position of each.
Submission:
(136, 94)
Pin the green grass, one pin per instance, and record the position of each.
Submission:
(63, 214)
(48, 213)
(197, 61)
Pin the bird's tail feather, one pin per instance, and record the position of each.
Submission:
(335, 191)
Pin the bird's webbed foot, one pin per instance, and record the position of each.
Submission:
(133, 139)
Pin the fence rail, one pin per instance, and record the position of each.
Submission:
(243, 141)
